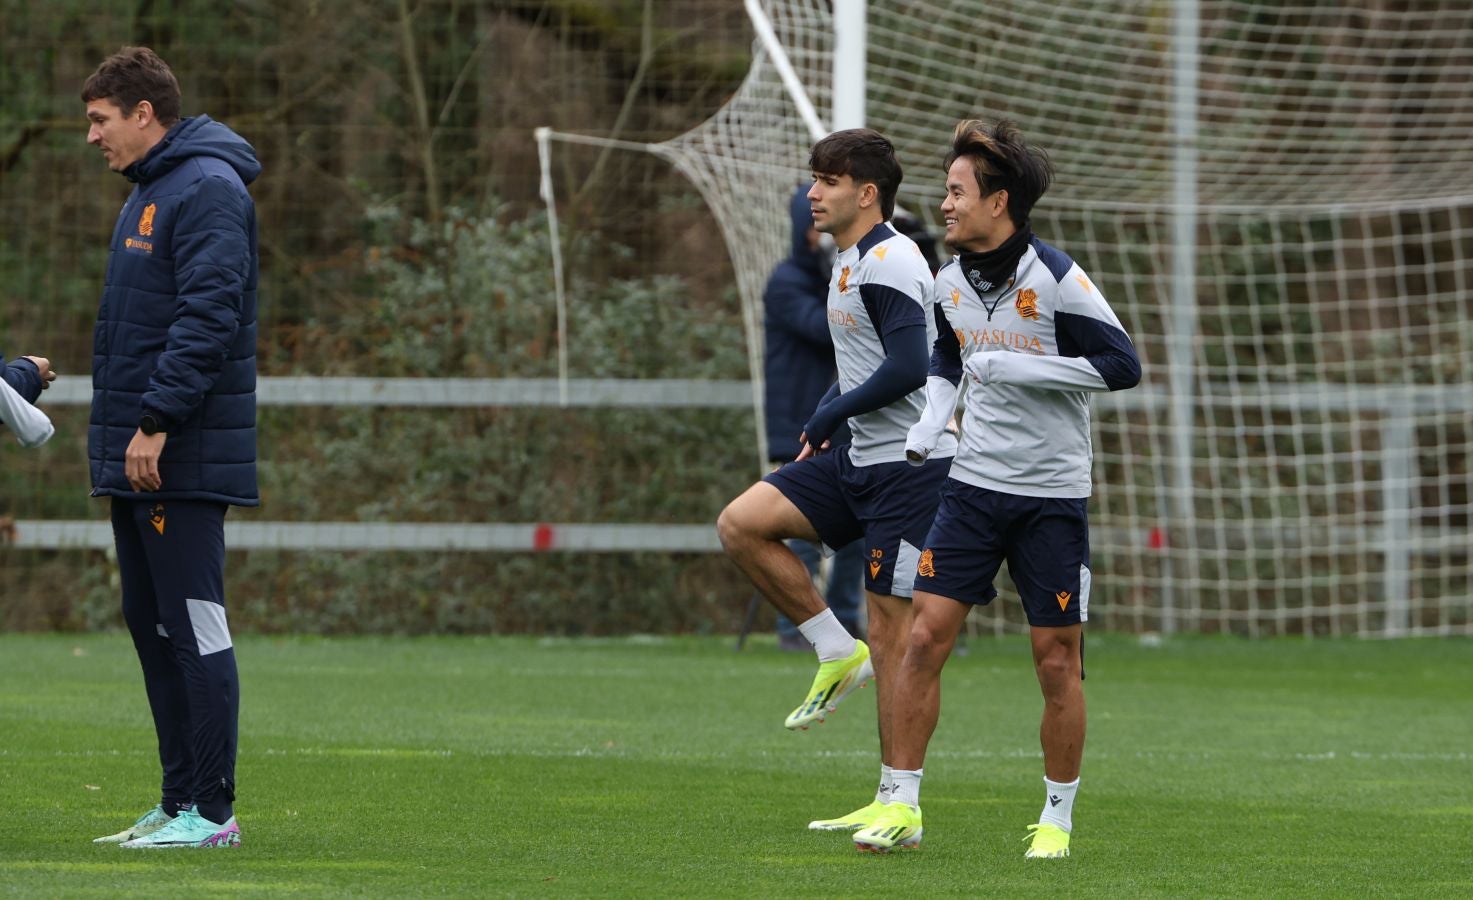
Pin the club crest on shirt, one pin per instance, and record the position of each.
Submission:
(844, 280)
(1027, 303)
(978, 282)
(145, 221)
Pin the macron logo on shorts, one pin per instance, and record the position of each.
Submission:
(1063, 598)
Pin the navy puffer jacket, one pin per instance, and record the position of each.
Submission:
(176, 330)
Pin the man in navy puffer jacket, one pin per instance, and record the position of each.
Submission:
(172, 438)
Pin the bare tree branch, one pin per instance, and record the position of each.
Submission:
(421, 105)
(646, 56)
(13, 153)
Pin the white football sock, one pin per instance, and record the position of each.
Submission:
(887, 785)
(907, 786)
(1058, 804)
(828, 637)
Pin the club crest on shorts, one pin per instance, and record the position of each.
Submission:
(927, 566)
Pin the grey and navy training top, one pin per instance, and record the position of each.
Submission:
(879, 285)
(1048, 340)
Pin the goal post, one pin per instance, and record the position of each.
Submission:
(851, 43)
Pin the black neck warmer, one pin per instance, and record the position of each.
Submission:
(991, 270)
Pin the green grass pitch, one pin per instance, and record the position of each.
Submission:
(659, 767)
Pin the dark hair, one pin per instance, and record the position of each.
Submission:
(132, 75)
(1002, 161)
(864, 155)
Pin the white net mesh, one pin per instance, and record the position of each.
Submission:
(1321, 485)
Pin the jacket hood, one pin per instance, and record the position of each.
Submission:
(800, 210)
(192, 137)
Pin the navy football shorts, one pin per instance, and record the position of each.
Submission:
(889, 505)
(1044, 539)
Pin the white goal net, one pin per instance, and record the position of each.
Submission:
(1278, 201)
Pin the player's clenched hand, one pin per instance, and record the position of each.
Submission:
(808, 449)
(921, 440)
(821, 426)
(43, 366)
(141, 461)
(976, 368)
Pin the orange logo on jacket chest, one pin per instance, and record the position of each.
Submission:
(1027, 303)
(145, 221)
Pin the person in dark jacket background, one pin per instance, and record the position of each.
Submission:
(172, 436)
(799, 368)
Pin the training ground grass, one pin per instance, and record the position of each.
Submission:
(652, 767)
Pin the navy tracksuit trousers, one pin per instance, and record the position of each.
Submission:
(171, 556)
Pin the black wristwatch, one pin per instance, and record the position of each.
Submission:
(148, 424)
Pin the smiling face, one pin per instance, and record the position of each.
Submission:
(123, 138)
(974, 222)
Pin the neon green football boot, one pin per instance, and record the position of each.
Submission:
(147, 824)
(835, 681)
(898, 826)
(860, 818)
(1048, 842)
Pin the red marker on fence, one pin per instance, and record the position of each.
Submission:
(1157, 538)
(542, 537)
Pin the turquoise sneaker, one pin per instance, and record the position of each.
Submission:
(835, 681)
(147, 823)
(189, 829)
